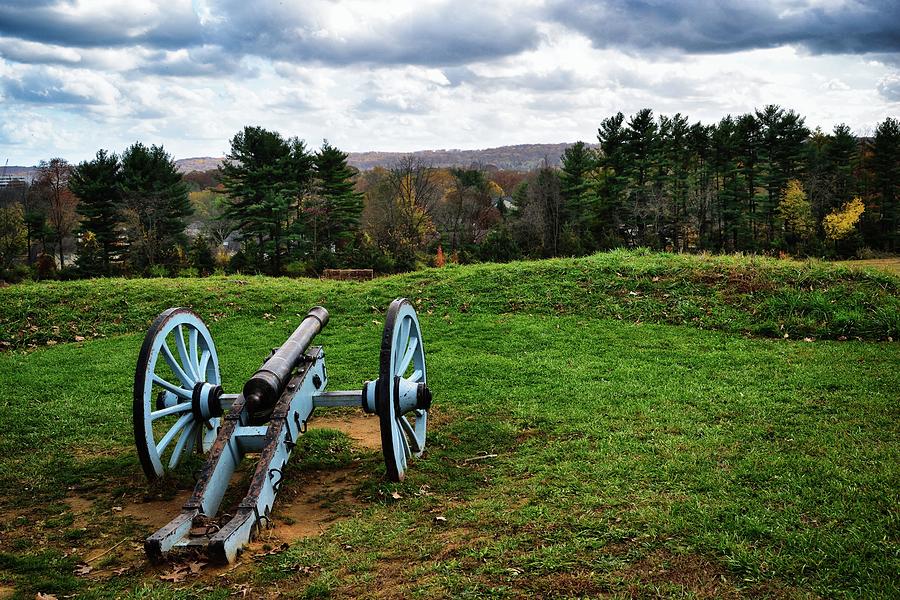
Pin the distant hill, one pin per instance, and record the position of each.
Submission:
(522, 157)
(201, 163)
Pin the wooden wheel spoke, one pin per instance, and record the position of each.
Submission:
(193, 335)
(186, 436)
(171, 410)
(412, 439)
(404, 443)
(183, 354)
(176, 368)
(178, 426)
(204, 362)
(407, 358)
(178, 391)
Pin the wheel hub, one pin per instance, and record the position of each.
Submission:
(205, 401)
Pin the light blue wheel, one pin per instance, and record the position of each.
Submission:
(402, 391)
(171, 409)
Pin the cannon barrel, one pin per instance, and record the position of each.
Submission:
(262, 391)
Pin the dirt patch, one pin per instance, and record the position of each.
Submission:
(6, 592)
(312, 505)
(156, 513)
(684, 572)
(363, 429)
(81, 509)
(567, 585)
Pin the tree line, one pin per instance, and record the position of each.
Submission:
(758, 182)
(135, 214)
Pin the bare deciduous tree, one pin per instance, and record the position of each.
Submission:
(53, 183)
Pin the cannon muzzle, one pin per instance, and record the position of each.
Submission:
(262, 391)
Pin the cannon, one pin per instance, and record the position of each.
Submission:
(180, 407)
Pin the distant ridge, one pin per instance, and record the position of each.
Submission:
(521, 157)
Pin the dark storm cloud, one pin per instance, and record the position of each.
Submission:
(54, 23)
(445, 35)
(710, 26)
(440, 36)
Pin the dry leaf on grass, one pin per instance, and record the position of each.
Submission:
(176, 575)
(196, 566)
(82, 570)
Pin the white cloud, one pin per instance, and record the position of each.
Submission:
(387, 75)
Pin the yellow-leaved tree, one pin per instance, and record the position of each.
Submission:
(838, 224)
(796, 211)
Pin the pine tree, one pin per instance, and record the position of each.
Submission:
(886, 169)
(613, 179)
(264, 176)
(341, 202)
(577, 189)
(641, 147)
(155, 200)
(96, 184)
(841, 154)
(749, 133)
(730, 187)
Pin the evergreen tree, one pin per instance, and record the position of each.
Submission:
(155, 202)
(701, 183)
(577, 189)
(886, 171)
(201, 255)
(613, 179)
(264, 176)
(841, 154)
(342, 204)
(729, 183)
(641, 145)
(749, 133)
(96, 184)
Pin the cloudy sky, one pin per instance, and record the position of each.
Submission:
(78, 75)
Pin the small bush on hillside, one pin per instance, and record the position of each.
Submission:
(157, 271)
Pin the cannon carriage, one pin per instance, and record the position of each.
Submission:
(180, 407)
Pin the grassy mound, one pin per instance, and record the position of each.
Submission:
(757, 296)
(569, 453)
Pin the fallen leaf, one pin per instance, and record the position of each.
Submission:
(43, 596)
(175, 576)
(117, 509)
(395, 495)
(120, 571)
(82, 570)
(440, 519)
(196, 566)
(79, 338)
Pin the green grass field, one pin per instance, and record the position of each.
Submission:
(655, 434)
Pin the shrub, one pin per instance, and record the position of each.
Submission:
(157, 271)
